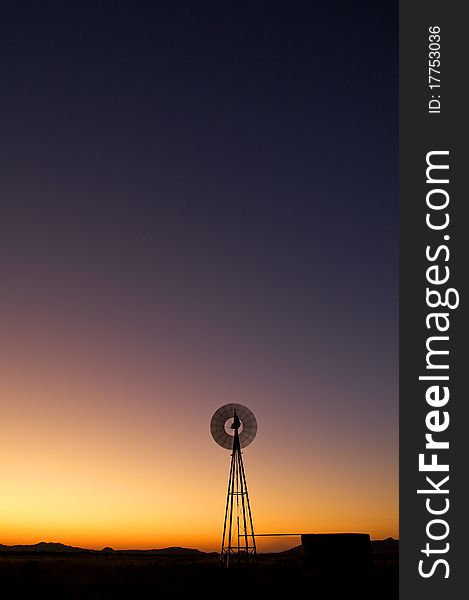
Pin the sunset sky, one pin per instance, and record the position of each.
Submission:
(199, 206)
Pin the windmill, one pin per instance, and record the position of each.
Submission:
(233, 426)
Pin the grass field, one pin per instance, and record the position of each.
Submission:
(96, 577)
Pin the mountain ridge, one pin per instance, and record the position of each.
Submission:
(57, 547)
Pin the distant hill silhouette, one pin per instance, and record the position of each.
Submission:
(173, 550)
(41, 547)
(62, 548)
(389, 545)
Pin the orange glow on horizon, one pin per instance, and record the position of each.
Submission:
(132, 464)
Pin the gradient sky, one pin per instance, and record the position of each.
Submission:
(199, 206)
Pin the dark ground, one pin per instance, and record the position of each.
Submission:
(95, 577)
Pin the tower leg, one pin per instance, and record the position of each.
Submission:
(227, 524)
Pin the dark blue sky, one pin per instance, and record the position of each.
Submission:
(234, 162)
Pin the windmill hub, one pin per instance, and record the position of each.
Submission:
(236, 422)
(230, 428)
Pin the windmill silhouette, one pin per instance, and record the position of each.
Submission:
(233, 426)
